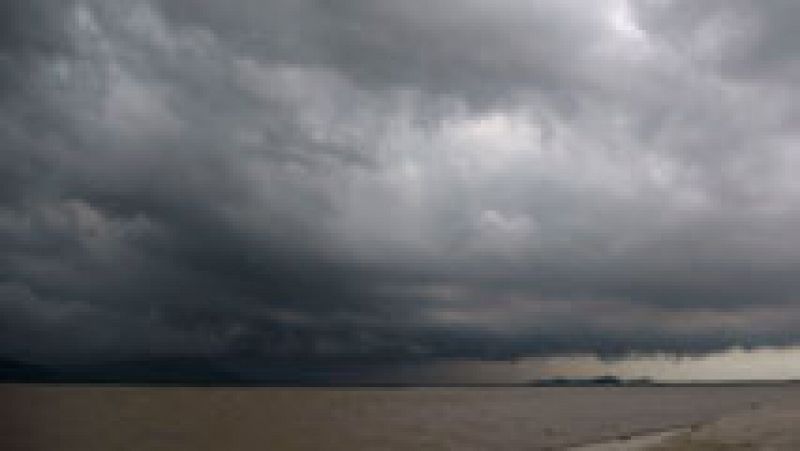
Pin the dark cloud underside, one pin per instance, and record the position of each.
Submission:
(380, 179)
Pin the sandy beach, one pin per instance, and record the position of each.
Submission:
(87, 418)
(767, 428)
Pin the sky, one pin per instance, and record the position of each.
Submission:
(311, 180)
(731, 365)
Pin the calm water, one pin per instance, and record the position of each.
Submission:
(176, 419)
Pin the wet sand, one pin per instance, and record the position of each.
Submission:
(87, 418)
(642, 441)
(775, 428)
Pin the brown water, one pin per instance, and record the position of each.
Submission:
(113, 418)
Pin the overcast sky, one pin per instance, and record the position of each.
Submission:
(312, 179)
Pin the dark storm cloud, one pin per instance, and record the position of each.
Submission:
(396, 179)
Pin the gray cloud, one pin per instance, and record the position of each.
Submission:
(385, 179)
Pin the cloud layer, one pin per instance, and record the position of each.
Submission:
(310, 180)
